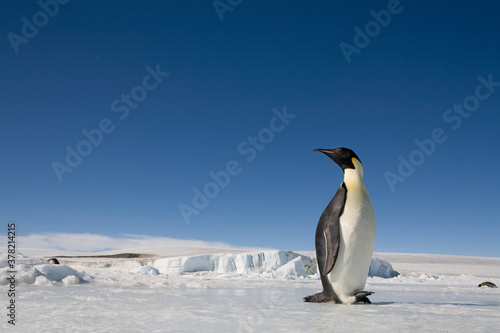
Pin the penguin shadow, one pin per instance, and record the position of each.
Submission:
(432, 303)
(327, 304)
(379, 303)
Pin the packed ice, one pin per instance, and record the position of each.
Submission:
(240, 291)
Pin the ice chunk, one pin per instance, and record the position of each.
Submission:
(147, 270)
(294, 267)
(309, 265)
(42, 281)
(425, 276)
(382, 269)
(242, 263)
(55, 272)
(71, 280)
(224, 263)
(184, 264)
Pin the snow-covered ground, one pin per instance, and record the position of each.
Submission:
(230, 290)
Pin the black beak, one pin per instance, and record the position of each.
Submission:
(324, 151)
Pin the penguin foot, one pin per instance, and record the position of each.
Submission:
(361, 297)
(320, 297)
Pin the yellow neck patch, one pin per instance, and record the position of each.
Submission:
(357, 166)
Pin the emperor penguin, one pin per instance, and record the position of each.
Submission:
(345, 236)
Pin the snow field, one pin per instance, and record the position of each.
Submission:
(250, 292)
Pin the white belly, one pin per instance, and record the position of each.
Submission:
(357, 241)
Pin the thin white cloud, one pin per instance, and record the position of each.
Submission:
(94, 242)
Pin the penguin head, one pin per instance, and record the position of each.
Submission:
(344, 157)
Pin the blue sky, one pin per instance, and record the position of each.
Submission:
(170, 92)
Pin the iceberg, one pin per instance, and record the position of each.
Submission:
(381, 269)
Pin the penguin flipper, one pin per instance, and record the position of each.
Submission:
(328, 232)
